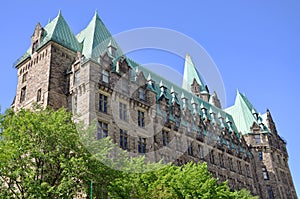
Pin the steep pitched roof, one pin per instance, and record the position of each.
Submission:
(56, 30)
(242, 113)
(59, 31)
(190, 73)
(96, 38)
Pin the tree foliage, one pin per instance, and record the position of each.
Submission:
(40, 155)
(43, 154)
(188, 181)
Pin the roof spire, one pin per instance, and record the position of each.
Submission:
(59, 12)
(191, 73)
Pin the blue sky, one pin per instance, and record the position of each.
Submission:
(255, 45)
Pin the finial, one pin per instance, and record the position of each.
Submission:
(182, 95)
(219, 115)
(193, 101)
(161, 83)
(59, 12)
(96, 12)
(172, 90)
(149, 77)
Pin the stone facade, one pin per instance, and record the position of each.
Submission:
(147, 117)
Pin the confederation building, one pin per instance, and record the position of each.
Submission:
(146, 114)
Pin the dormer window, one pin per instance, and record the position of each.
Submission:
(34, 46)
(105, 76)
(77, 77)
(141, 94)
(124, 85)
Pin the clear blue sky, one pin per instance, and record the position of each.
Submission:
(255, 45)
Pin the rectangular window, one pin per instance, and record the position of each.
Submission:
(212, 157)
(165, 137)
(270, 192)
(105, 76)
(221, 158)
(123, 111)
(247, 170)
(200, 152)
(75, 104)
(260, 154)
(34, 46)
(77, 77)
(39, 95)
(102, 131)
(103, 103)
(230, 163)
(124, 85)
(141, 119)
(239, 166)
(23, 94)
(123, 139)
(265, 173)
(190, 148)
(24, 77)
(257, 139)
(142, 145)
(141, 94)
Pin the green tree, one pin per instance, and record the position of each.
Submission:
(40, 155)
(188, 181)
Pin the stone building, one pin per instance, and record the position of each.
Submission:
(147, 114)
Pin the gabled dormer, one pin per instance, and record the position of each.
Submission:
(36, 37)
(214, 100)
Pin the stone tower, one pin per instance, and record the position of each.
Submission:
(269, 149)
(42, 70)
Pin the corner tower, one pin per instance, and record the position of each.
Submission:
(42, 69)
(269, 148)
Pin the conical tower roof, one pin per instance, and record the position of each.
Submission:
(59, 31)
(96, 38)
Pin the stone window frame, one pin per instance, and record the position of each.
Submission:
(75, 101)
(142, 144)
(102, 130)
(141, 118)
(265, 173)
(23, 94)
(123, 141)
(105, 76)
(103, 101)
(260, 154)
(24, 77)
(123, 111)
(142, 94)
(257, 138)
(39, 95)
(77, 77)
(165, 137)
(190, 147)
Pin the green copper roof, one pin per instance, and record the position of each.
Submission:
(242, 114)
(56, 30)
(191, 73)
(59, 31)
(96, 38)
(171, 89)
